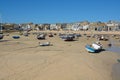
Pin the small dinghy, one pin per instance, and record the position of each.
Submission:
(15, 37)
(44, 44)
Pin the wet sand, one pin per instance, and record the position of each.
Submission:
(116, 71)
(24, 59)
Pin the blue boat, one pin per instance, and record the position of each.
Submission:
(90, 49)
(16, 37)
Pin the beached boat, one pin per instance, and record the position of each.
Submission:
(94, 48)
(67, 37)
(103, 37)
(16, 37)
(89, 48)
(50, 35)
(40, 36)
(44, 44)
(97, 45)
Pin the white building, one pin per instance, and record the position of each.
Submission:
(113, 26)
(53, 27)
(76, 26)
(26, 27)
(85, 27)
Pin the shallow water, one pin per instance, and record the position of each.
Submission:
(115, 47)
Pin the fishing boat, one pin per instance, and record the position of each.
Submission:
(16, 37)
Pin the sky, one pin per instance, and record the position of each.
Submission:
(59, 11)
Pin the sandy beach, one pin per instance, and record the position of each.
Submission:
(24, 59)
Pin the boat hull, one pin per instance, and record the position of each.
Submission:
(90, 49)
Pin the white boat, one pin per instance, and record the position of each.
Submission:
(97, 45)
(44, 44)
